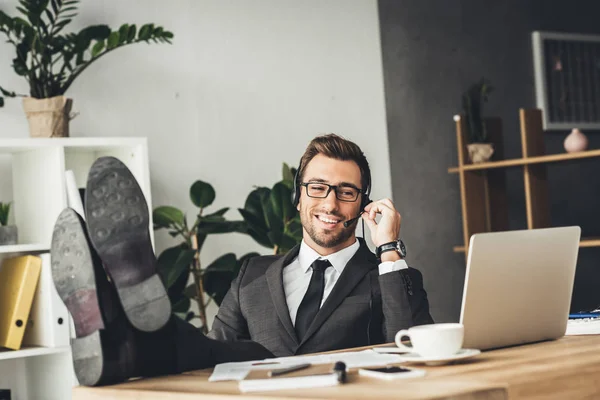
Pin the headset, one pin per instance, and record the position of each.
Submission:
(365, 200)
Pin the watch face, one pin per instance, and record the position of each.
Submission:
(402, 248)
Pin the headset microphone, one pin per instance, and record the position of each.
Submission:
(351, 220)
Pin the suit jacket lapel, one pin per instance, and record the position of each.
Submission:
(274, 276)
(359, 265)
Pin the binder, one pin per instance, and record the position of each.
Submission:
(18, 280)
(48, 324)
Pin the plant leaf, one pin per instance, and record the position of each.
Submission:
(145, 32)
(274, 222)
(261, 238)
(98, 47)
(191, 291)
(113, 40)
(219, 212)
(123, 33)
(165, 216)
(166, 260)
(182, 306)
(131, 33)
(287, 174)
(218, 276)
(254, 223)
(253, 202)
(208, 227)
(172, 272)
(281, 202)
(202, 194)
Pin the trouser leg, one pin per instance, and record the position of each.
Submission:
(181, 347)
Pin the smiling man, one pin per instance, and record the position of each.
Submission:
(329, 292)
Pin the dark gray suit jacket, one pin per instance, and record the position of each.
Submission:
(362, 309)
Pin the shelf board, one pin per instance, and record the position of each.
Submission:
(515, 162)
(15, 145)
(23, 248)
(31, 351)
(587, 242)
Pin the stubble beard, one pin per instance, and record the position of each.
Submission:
(325, 239)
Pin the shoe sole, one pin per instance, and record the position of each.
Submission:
(118, 223)
(74, 278)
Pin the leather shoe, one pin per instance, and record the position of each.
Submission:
(104, 348)
(117, 218)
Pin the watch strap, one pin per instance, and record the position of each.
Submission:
(396, 245)
(386, 247)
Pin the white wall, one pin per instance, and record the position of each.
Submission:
(243, 88)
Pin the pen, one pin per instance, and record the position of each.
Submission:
(293, 368)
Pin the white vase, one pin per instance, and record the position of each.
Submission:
(575, 141)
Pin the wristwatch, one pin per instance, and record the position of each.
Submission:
(396, 245)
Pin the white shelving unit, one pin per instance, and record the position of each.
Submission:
(32, 177)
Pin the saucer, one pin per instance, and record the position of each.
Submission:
(461, 355)
(393, 349)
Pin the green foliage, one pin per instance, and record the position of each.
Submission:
(4, 212)
(176, 263)
(49, 59)
(472, 102)
(272, 220)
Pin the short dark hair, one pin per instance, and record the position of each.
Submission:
(336, 147)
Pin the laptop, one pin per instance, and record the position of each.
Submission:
(518, 286)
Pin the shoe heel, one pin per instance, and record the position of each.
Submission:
(88, 360)
(146, 304)
(73, 273)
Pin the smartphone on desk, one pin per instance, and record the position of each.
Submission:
(390, 373)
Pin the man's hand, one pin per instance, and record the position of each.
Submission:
(388, 228)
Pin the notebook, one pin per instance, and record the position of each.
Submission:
(314, 376)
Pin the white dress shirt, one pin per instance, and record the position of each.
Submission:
(296, 276)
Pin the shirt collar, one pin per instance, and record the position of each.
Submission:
(338, 260)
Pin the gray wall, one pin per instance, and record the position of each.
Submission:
(432, 50)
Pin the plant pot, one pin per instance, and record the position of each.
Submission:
(48, 117)
(480, 152)
(8, 234)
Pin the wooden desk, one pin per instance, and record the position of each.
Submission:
(568, 368)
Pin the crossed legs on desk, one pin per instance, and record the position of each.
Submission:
(104, 270)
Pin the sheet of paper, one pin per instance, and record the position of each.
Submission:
(238, 370)
(583, 327)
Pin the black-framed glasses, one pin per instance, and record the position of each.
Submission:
(321, 190)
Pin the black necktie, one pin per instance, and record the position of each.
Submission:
(312, 299)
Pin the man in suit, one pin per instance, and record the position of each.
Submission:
(330, 292)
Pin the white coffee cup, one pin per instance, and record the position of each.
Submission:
(434, 340)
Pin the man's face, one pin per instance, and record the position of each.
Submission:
(323, 218)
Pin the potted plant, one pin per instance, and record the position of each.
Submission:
(50, 60)
(472, 101)
(272, 219)
(8, 233)
(179, 263)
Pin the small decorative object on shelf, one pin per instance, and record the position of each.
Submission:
(472, 102)
(8, 233)
(576, 141)
(50, 59)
